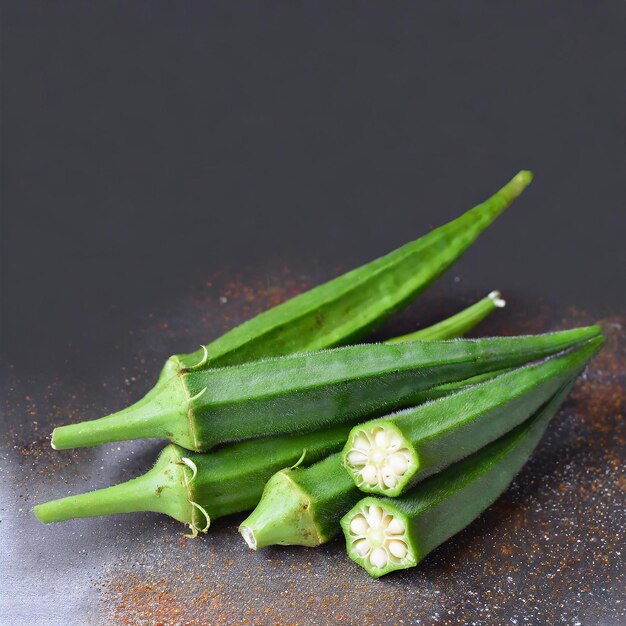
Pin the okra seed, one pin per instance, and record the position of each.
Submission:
(358, 525)
(379, 557)
(357, 457)
(398, 549)
(374, 516)
(396, 527)
(369, 474)
(362, 546)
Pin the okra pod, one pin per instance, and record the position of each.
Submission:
(387, 534)
(386, 456)
(346, 308)
(196, 487)
(303, 506)
(202, 408)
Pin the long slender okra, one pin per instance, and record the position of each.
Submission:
(303, 506)
(347, 307)
(304, 392)
(386, 534)
(386, 456)
(194, 487)
(455, 326)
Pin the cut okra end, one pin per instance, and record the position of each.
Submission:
(379, 458)
(377, 537)
(284, 516)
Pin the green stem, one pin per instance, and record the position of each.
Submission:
(458, 324)
(161, 490)
(161, 413)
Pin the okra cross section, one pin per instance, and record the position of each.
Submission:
(203, 408)
(386, 456)
(387, 534)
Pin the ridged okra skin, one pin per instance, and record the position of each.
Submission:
(202, 408)
(194, 488)
(386, 456)
(387, 534)
(348, 307)
(303, 506)
(224, 481)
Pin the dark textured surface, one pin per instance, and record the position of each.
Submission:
(170, 170)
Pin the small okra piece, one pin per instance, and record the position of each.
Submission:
(203, 408)
(386, 456)
(387, 534)
(302, 506)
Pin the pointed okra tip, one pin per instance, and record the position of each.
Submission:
(379, 458)
(517, 185)
(377, 537)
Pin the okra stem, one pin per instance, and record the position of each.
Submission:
(160, 490)
(457, 325)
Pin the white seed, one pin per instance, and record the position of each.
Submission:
(356, 457)
(390, 480)
(379, 557)
(396, 527)
(362, 547)
(394, 440)
(358, 525)
(380, 438)
(398, 464)
(398, 549)
(361, 443)
(369, 474)
(375, 516)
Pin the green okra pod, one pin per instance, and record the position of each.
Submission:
(387, 534)
(303, 506)
(346, 308)
(386, 456)
(202, 408)
(195, 487)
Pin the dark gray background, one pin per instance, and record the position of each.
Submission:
(148, 145)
